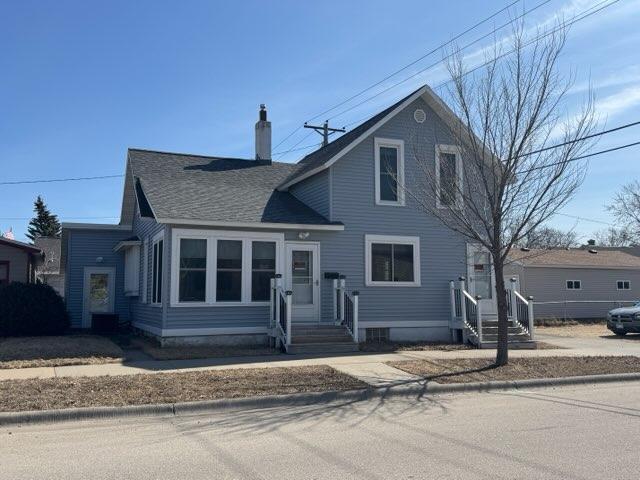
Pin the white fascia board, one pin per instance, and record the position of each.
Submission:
(94, 226)
(270, 226)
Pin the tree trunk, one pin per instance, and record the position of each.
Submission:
(502, 350)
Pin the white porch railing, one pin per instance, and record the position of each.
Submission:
(466, 310)
(280, 312)
(346, 307)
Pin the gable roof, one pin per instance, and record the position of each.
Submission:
(20, 245)
(195, 189)
(575, 257)
(326, 156)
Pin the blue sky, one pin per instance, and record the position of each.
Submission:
(81, 81)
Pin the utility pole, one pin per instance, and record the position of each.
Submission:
(324, 130)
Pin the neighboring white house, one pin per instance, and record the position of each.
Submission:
(578, 282)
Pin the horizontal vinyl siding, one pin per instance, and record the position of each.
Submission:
(442, 252)
(208, 317)
(549, 284)
(314, 191)
(18, 262)
(84, 247)
(145, 314)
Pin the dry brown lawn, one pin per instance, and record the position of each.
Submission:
(415, 346)
(152, 349)
(577, 331)
(68, 392)
(24, 352)
(482, 370)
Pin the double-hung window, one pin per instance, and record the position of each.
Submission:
(448, 176)
(392, 260)
(156, 269)
(224, 268)
(624, 285)
(574, 285)
(389, 171)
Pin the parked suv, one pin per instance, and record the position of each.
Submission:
(624, 320)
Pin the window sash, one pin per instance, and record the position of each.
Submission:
(156, 271)
(192, 270)
(389, 172)
(392, 261)
(624, 285)
(574, 285)
(449, 179)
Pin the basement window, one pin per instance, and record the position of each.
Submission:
(377, 335)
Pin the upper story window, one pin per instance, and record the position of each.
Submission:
(448, 176)
(574, 285)
(389, 171)
(624, 285)
(223, 268)
(392, 260)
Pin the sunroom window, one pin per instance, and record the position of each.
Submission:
(193, 270)
(221, 267)
(229, 276)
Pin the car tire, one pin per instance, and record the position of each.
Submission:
(620, 333)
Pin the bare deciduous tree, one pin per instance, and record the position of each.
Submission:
(548, 237)
(517, 148)
(616, 237)
(626, 208)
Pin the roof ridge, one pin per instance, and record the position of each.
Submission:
(214, 157)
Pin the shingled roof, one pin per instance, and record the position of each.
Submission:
(212, 189)
(575, 257)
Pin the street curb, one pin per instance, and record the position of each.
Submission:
(409, 389)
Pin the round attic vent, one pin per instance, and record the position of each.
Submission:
(419, 115)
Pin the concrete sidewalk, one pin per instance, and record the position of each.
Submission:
(369, 367)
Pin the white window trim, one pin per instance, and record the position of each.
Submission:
(145, 270)
(566, 284)
(628, 281)
(392, 239)
(399, 145)
(212, 236)
(456, 151)
(154, 240)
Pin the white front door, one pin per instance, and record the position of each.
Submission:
(98, 292)
(303, 279)
(481, 277)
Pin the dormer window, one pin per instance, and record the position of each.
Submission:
(389, 160)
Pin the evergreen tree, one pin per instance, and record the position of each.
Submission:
(44, 224)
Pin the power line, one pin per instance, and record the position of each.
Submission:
(406, 66)
(53, 180)
(579, 17)
(581, 157)
(59, 216)
(297, 149)
(585, 219)
(429, 53)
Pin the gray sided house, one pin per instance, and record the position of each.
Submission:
(328, 251)
(18, 261)
(577, 283)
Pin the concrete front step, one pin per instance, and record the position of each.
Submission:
(321, 338)
(302, 348)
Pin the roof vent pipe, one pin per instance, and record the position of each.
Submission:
(263, 136)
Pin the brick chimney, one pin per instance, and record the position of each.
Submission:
(263, 136)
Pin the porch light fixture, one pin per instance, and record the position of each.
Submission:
(303, 235)
(99, 259)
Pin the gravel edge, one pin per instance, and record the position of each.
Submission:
(418, 388)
